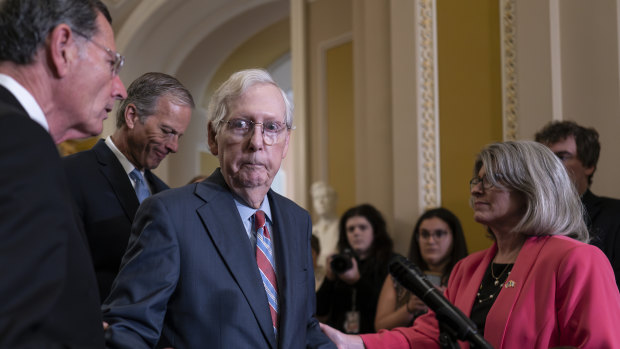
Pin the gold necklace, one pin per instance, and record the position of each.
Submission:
(485, 297)
(496, 282)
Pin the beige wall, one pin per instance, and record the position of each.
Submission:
(340, 124)
(469, 100)
(328, 27)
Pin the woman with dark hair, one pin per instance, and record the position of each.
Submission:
(437, 244)
(347, 300)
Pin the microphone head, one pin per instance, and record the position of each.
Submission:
(399, 264)
(409, 275)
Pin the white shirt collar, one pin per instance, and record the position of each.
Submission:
(127, 165)
(25, 99)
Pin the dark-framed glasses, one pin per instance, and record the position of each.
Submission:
(480, 180)
(271, 129)
(117, 61)
(436, 234)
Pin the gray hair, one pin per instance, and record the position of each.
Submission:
(25, 24)
(144, 92)
(553, 206)
(234, 88)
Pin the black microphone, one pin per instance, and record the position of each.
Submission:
(412, 278)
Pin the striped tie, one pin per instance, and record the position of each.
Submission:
(264, 259)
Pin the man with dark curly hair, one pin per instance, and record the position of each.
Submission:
(578, 147)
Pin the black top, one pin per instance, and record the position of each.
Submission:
(489, 289)
(336, 298)
(603, 220)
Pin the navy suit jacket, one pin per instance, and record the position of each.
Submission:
(107, 204)
(190, 275)
(48, 292)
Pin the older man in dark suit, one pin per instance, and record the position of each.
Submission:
(58, 80)
(109, 181)
(224, 263)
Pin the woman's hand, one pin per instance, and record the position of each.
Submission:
(416, 306)
(342, 341)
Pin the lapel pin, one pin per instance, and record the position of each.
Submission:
(510, 283)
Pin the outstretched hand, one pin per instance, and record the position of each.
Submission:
(342, 341)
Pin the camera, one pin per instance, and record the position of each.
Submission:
(342, 262)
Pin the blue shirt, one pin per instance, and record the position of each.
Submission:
(247, 217)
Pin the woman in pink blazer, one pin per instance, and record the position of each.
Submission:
(540, 285)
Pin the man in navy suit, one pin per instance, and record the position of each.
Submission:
(58, 80)
(201, 270)
(578, 147)
(106, 181)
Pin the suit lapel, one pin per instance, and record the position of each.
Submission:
(114, 173)
(156, 184)
(467, 296)
(502, 307)
(223, 225)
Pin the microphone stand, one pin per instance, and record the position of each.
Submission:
(453, 324)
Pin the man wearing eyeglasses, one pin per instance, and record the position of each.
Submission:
(578, 148)
(109, 181)
(55, 84)
(224, 263)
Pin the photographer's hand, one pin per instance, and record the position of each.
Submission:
(329, 273)
(352, 275)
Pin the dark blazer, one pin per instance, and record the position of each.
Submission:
(48, 292)
(190, 274)
(107, 204)
(603, 219)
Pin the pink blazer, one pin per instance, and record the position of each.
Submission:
(563, 294)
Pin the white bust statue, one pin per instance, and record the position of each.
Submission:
(326, 225)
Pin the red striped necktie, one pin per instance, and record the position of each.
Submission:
(264, 259)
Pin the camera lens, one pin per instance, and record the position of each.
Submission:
(341, 263)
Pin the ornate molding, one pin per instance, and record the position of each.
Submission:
(428, 107)
(509, 66)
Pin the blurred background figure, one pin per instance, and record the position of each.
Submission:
(347, 300)
(539, 285)
(319, 272)
(325, 226)
(578, 148)
(436, 245)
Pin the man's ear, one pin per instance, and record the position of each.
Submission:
(211, 139)
(131, 116)
(62, 50)
(590, 170)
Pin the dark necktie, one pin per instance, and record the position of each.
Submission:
(264, 259)
(142, 189)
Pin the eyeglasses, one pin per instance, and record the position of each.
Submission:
(118, 60)
(271, 129)
(477, 180)
(436, 234)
